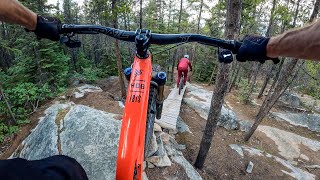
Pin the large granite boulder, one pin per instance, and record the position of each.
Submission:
(199, 99)
(88, 135)
(310, 121)
(84, 89)
(290, 99)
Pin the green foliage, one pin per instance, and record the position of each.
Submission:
(243, 91)
(311, 86)
(25, 98)
(6, 130)
(92, 74)
(54, 65)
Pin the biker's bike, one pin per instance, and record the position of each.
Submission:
(181, 84)
(145, 89)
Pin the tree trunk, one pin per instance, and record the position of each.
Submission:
(175, 57)
(296, 14)
(120, 73)
(293, 77)
(268, 33)
(269, 72)
(117, 51)
(5, 56)
(266, 80)
(234, 75)
(194, 61)
(180, 15)
(232, 26)
(269, 30)
(3, 32)
(254, 75)
(281, 86)
(199, 17)
(39, 76)
(67, 11)
(169, 14)
(282, 83)
(8, 105)
(275, 80)
(212, 75)
(140, 18)
(315, 11)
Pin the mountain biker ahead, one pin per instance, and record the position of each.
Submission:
(182, 67)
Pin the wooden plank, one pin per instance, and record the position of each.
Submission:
(171, 109)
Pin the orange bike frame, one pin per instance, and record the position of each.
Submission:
(132, 135)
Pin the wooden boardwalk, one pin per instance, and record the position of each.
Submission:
(171, 109)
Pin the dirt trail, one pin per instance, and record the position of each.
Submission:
(223, 162)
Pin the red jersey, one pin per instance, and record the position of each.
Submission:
(183, 64)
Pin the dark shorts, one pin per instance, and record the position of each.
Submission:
(55, 167)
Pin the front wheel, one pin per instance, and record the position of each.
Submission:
(151, 114)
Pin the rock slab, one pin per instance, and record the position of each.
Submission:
(199, 99)
(86, 88)
(289, 143)
(310, 121)
(290, 99)
(88, 135)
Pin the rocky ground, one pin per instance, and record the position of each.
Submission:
(84, 124)
(286, 150)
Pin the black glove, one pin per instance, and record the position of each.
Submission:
(225, 56)
(48, 27)
(254, 48)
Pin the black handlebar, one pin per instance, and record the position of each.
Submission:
(161, 39)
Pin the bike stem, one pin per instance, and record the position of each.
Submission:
(142, 43)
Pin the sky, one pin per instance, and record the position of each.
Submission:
(80, 2)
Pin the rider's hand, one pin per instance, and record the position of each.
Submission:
(48, 27)
(254, 48)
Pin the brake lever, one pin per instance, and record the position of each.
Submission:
(71, 43)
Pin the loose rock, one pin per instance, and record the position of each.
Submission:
(249, 167)
(150, 165)
(153, 147)
(157, 128)
(159, 161)
(245, 125)
(144, 176)
(190, 171)
(182, 126)
(237, 148)
(82, 90)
